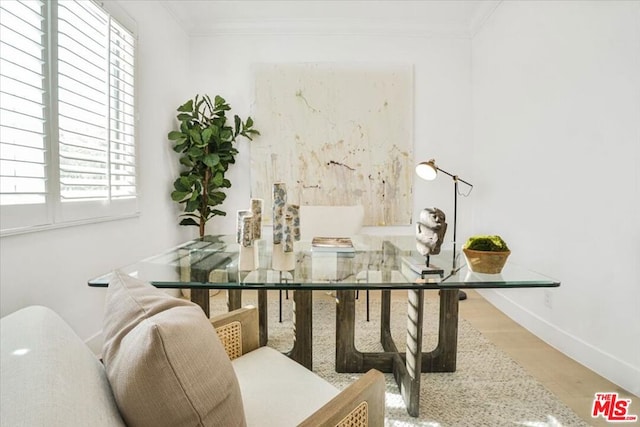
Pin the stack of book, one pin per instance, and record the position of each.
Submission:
(332, 244)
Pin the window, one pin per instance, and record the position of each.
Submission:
(67, 117)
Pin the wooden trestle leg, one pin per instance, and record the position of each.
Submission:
(302, 351)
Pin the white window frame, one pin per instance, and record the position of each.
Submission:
(17, 219)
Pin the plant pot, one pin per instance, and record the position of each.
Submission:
(487, 262)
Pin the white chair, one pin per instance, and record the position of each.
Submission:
(266, 376)
(332, 221)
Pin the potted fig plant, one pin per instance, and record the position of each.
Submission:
(205, 142)
(486, 254)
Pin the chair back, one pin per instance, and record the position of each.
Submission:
(330, 221)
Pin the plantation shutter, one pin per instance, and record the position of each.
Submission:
(67, 114)
(123, 160)
(95, 105)
(22, 83)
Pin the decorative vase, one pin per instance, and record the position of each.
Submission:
(244, 228)
(247, 251)
(286, 229)
(256, 209)
(294, 212)
(488, 262)
(279, 203)
(282, 260)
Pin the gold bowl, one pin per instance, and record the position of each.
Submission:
(488, 262)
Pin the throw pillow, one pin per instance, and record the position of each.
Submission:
(164, 360)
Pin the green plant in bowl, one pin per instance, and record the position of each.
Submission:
(486, 254)
(486, 243)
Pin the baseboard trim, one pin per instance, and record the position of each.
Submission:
(617, 371)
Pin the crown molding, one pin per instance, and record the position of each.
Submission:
(322, 27)
(437, 19)
(482, 15)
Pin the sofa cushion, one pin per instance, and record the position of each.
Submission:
(277, 389)
(49, 376)
(164, 360)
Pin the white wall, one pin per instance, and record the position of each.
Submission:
(52, 267)
(556, 127)
(441, 78)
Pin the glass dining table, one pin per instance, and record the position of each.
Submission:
(383, 263)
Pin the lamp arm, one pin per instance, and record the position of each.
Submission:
(455, 177)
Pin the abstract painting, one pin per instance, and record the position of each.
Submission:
(336, 134)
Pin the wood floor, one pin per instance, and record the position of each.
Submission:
(572, 383)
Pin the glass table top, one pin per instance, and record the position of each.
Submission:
(376, 262)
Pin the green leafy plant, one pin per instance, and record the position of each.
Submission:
(486, 243)
(205, 142)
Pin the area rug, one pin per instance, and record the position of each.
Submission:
(487, 389)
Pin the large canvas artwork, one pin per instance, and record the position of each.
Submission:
(336, 134)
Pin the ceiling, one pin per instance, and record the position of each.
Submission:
(452, 17)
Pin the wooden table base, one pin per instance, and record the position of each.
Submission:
(404, 366)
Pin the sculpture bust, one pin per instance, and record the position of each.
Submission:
(430, 231)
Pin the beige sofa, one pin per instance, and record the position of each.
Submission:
(50, 377)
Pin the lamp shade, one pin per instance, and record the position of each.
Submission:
(427, 170)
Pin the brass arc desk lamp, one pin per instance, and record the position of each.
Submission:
(429, 171)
